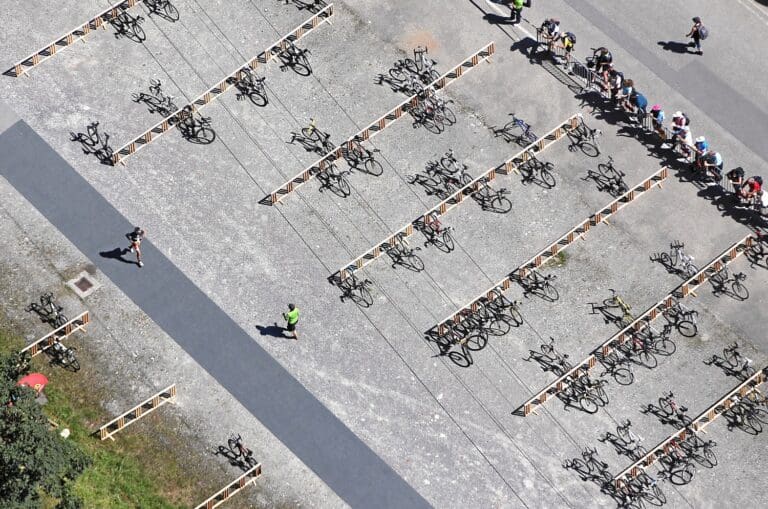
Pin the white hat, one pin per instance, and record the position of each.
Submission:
(701, 139)
(677, 114)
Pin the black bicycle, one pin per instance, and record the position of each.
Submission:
(730, 284)
(405, 256)
(362, 159)
(609, 179)
(335, 180)
(493, 200)
(683, 319)
(196, 128)
(49, 310)
(357, 289)
(538, 172)
(63, 355)
(163, 8)
(251, 86)
(438, 235)
(540, 286)
(583, 138)
(296, 59)
(240, 452)
(128, 26)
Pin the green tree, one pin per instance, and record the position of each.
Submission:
(33, 458)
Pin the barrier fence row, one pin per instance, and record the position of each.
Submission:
(234, 487)
(76, 324)
(644, 320)
(377, 126)
(228, 82)
(458, 197)
(69, 38)
(167, 395)
(704, 419)
(553, 249)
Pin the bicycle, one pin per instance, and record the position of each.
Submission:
(320, 139)
(451, 165)
(128, 26)
(551, 359)
(677, 255)
(49, 310)
(540, 286)
(252, 86)
(403, 255)
(613, 178)
(683, 319)
(669, 406)
(693, 444)
(631, 441)
(748, 411)
(296, 58)
(659, 342)
(238, 450)
(615, 301)
(357, 289)
(157, 101)
(758, 252)
(451, 182)
(639, 346)
(619, 366)
(432, 185)
(738, 363)
(518, 131)
(196, 130)
(584, 138)
(361, 159)
(63, 355)
(588, 466)
(437, 234)
(737, 289)
(420, 66)
(163, 8)
(680, 467)
(534, 170)
(334, 179)
(587, 392)
(500, 304)
(493, 201)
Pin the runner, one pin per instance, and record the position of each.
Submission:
(135, 237)
(291, 318)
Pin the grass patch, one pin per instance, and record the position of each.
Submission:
(141, 468)
(558, 260)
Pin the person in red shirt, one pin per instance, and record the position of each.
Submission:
(751, 188)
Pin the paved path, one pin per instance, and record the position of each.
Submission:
(356, 473)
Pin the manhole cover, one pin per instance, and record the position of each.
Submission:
(84, 284)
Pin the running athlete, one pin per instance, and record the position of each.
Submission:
(135, 237)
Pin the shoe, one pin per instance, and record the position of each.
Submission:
(133, 250)
(141, 264)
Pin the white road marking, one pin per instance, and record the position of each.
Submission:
(760, 12)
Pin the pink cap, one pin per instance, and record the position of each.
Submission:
(656, 107)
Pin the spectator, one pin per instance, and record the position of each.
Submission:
(615, 82)
(696, 33)
(567, 42)
(736, 178)
(713, 165)
(639, 105)
(700, 148)
(626, 91)
(751, 188)
(602, 59)
(657, 119)
(550, 30)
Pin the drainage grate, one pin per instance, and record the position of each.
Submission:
(84, 284)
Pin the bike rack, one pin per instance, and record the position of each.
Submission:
(683, 290)
(377, 126)
(508, 166)
(228, 82)
(554, 248)
(76, 324)
(68, 39)
(167, 395)
(235, 486)
(703, 420)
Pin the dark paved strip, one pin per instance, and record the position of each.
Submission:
(351, 469)
(744, 119)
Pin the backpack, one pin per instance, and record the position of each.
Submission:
(571, 37)
(703, 32)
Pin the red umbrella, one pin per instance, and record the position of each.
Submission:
(37, 381)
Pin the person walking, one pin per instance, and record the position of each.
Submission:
(698, 33)
(516, 11)
(135, 238)
(291, 318)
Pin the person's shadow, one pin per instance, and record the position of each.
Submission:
(271, 330)
(674, 46)
(117, 254)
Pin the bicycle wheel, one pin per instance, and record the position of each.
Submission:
(373, 167)
(665, 406)
(731, 356)
(500, 205)
(448, 241)
(398, 74)
(450, 117)
(449, 165)
(654, 495)
(665, 346)
(171, 12)
(343, 187)
(301, 66)
(589, 149)
(605, 170)
(687, 328)
(409, 65)
(431, 124)
(499, 326)
(72, 363)
(690, 270)
(588, 404)
(623, 376)
(251, 461)
(647, 359)
(515, 314)
(477, 341)
(602, 396)
(415, 263)
(460, 359)
(638, 452)
(205, 136)
(364, 299)
(550, 293)
(59, 320)
(708, 457)
(138, 32)
(546, 176)
(739, 290)
(232, 444)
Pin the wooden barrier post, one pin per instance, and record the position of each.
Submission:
(235, 486)
(78, 323)
(167, 395)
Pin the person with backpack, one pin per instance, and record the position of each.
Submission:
(698, 33)
(567, 42)
(639, 104)
(736, 178)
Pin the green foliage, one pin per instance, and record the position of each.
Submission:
(32, 457)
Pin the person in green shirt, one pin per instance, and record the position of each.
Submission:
(292, 317)
(515, 14)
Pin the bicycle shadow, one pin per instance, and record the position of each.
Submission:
(620, 445)
(727, 368)
(231, 457)
(661, 415)
(384, 79)
(92, 142)
(128, 26)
